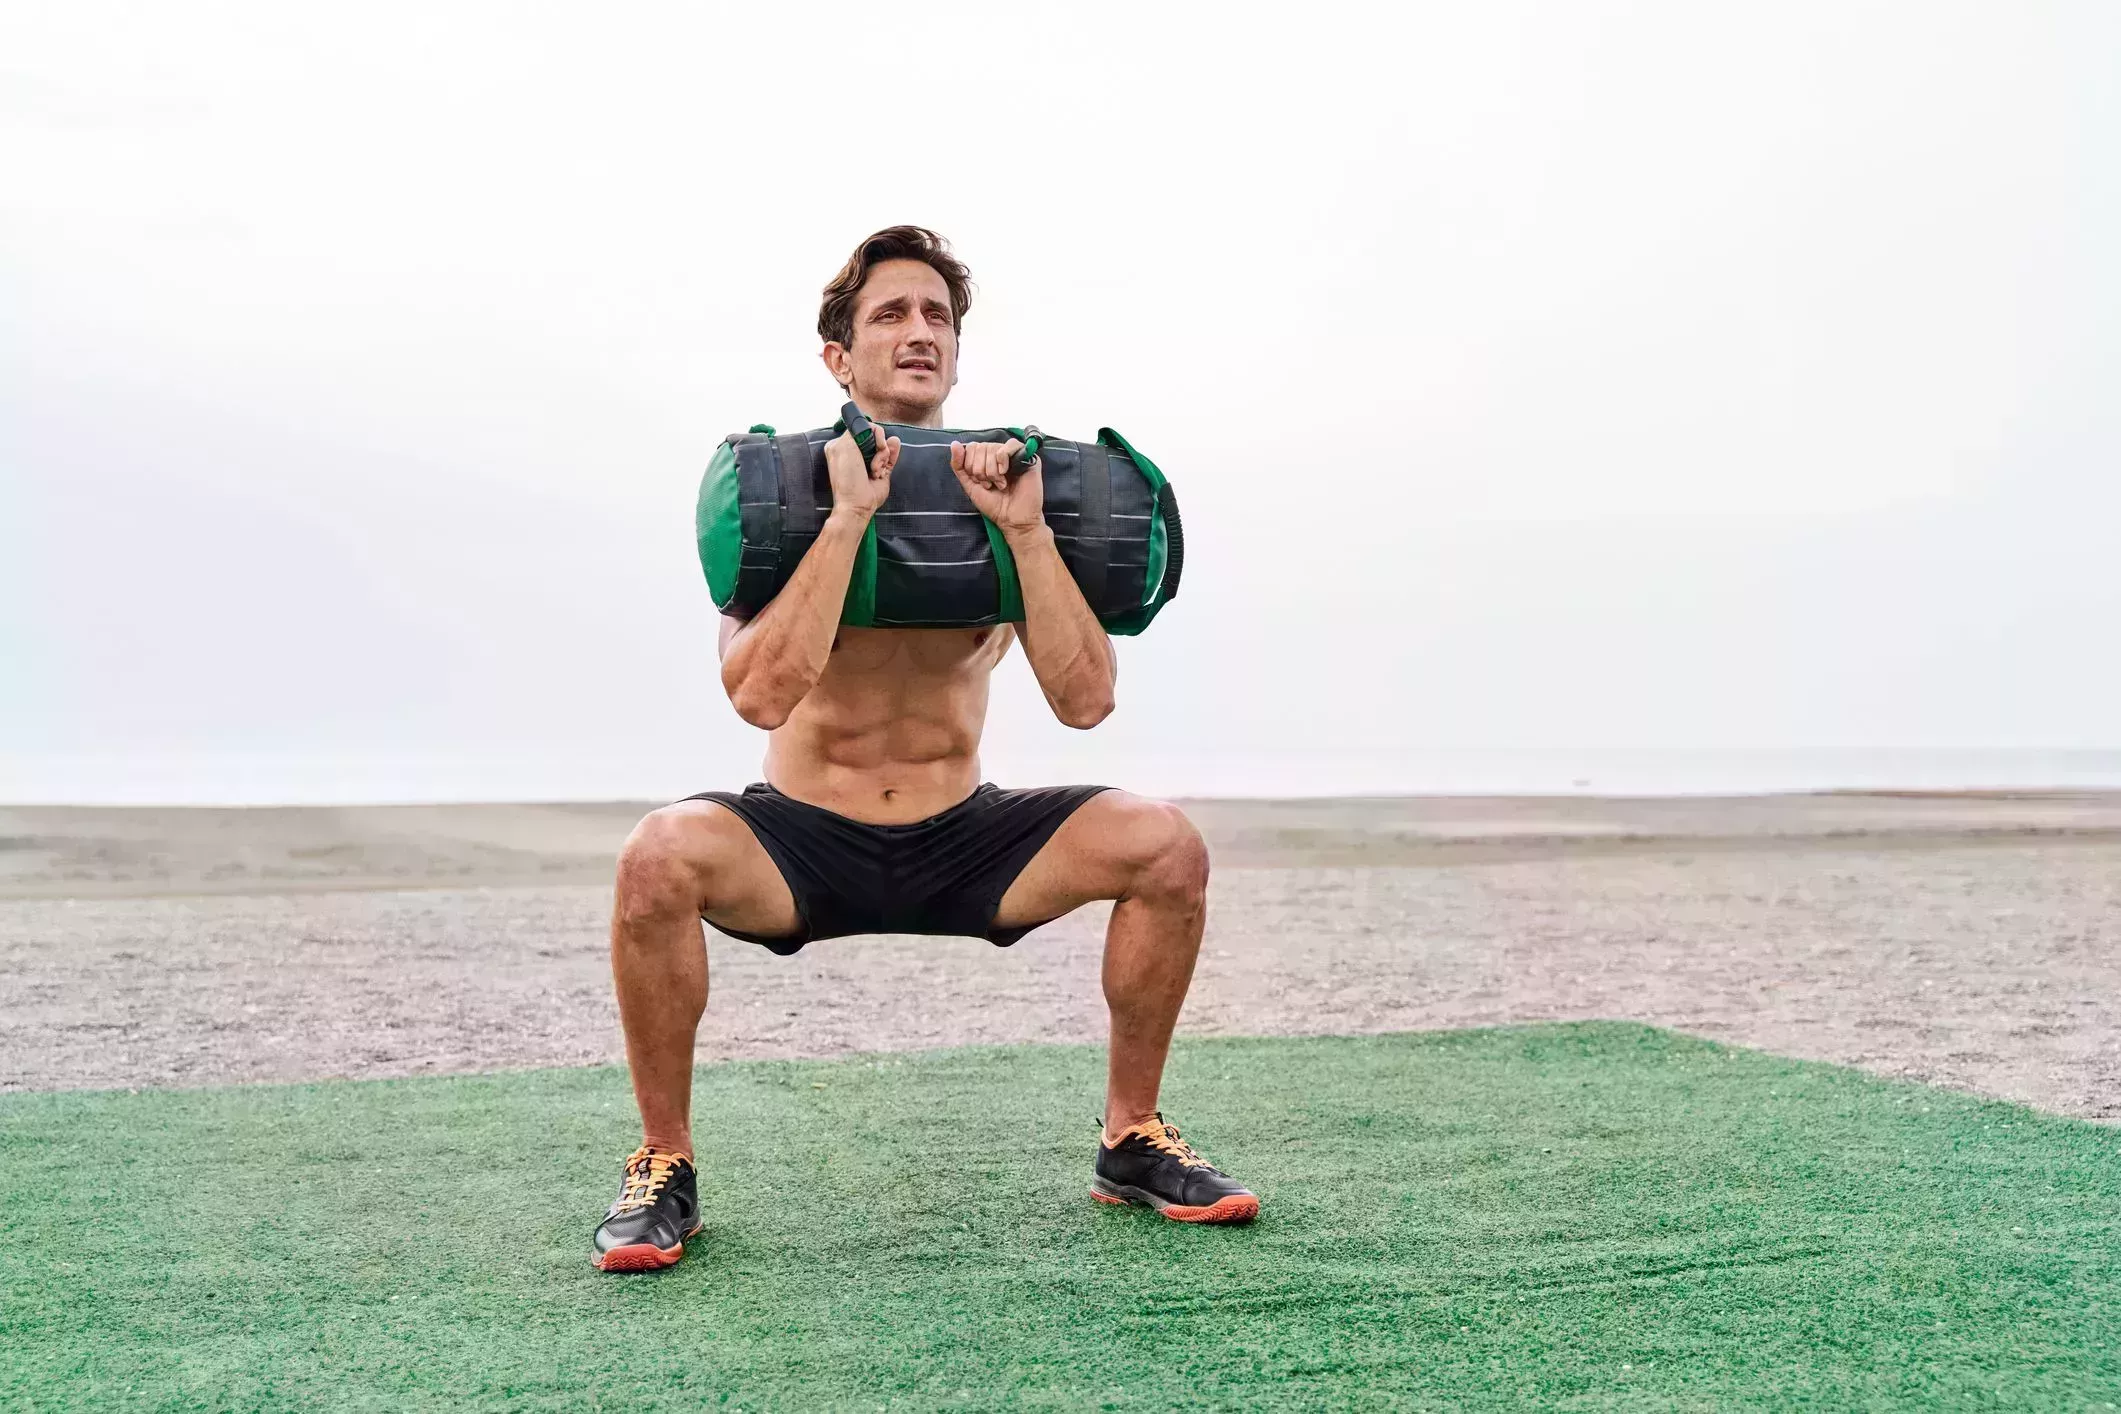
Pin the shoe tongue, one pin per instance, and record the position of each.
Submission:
(1154, 1129)
(651, 1167)
(1163, 1135)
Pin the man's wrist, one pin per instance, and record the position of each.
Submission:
(850, 517)
(1027, 537)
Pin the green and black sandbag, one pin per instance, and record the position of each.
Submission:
(928, 559)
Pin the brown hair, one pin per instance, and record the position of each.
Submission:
(835, 317)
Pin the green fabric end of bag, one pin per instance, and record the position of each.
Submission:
(1011, 609)
(1159, 559)
(719, 527)
(1157, 479)
(858, 610)
(1130, 623)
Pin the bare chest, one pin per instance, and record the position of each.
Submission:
(880, 656)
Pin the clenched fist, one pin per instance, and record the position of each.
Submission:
(1013, 500)
(856, 487)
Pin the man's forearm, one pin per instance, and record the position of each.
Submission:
(780, 655)
(1067, 647)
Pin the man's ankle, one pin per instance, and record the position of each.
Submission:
(1117, 1122)
(670, 1142)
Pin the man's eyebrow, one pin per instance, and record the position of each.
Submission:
(895, 302)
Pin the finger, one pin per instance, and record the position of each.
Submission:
(961, 466)
(886, 458)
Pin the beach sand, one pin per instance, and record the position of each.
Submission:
(1968, 940)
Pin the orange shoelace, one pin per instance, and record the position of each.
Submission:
(1164, 1135)
(647, 1170)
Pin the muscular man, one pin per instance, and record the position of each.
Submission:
(873, 817)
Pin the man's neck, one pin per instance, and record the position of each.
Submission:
(903, 416)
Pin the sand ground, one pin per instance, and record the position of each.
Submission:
(1972, 941)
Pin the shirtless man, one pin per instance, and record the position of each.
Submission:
(873, 817)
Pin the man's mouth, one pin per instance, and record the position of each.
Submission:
(923, 365)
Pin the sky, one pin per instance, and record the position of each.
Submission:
(1565, 378)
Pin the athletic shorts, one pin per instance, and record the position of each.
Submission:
(942, 875)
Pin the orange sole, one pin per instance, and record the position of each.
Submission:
(640, 1257)
(1237, 1208)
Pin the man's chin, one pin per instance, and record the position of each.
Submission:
(914, 399)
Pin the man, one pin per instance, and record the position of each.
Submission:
(873, 817)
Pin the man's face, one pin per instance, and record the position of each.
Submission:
(903, 361)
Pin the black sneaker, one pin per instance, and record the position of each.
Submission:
(658, 1208)
(1152, 1166)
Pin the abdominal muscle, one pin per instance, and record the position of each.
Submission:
(891, 732)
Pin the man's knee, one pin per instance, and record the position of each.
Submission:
(668, 864)
(1171, 857)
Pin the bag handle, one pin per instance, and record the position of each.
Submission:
(854, 421)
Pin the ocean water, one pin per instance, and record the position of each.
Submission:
(1294, 771)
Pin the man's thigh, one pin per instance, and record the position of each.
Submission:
(740, 885)
(1097, 854)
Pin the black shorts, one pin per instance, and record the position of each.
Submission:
(945, 874)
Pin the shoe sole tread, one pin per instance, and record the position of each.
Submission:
(1230, 1208)
(641, 1256)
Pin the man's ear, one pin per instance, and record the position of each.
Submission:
(837, 362)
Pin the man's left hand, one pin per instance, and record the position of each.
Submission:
(1014, 500)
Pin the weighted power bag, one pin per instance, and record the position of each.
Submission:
(928, 559)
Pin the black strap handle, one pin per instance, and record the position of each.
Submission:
(1093, 530)
(801, 486)
(853, 419)
(1174, 543)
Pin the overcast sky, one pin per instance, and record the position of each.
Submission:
(1572, 375)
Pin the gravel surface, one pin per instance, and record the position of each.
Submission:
(1975, 944)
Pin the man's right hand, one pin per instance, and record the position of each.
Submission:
(856, 487)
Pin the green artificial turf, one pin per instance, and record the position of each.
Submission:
(1549, 1217)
